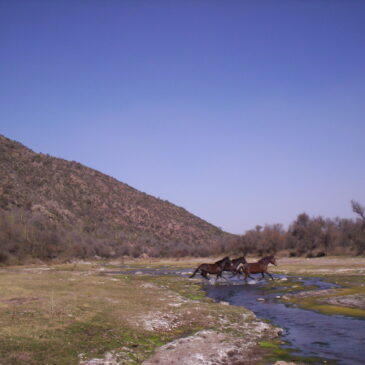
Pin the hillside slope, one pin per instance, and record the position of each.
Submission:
(43, 196)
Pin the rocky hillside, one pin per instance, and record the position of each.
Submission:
(59, 207)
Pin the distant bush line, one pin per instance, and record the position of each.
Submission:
(25, 237)
(309, 236)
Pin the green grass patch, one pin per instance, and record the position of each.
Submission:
(334, 309)
(276, 352)
(352, 285)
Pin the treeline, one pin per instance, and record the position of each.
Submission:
(309, 236)
(26, 236)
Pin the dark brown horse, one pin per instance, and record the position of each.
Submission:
(259, 267)
(216, 268)
(232, 267)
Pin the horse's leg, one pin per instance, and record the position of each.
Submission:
(241, 271)
(269, 275)
(222, 276)
(204, 274)
(246, 276)
(194, 273)
(236, 272)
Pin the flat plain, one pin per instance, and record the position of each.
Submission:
(77, 313)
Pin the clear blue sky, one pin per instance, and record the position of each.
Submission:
(243, 112)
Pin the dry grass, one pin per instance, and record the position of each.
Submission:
(68, 314)
(327, 264)
(323, 265)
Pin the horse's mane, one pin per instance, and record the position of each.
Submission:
(224, 259)
(239, 258)
(266, 258)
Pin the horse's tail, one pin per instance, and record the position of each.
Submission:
(194, 273)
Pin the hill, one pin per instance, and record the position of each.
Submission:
(51, 207)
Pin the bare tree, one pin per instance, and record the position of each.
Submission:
(358, 209)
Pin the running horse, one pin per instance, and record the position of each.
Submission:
(259, 267)
(232, 267)
(216, 268)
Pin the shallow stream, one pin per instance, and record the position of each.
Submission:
(311, 334)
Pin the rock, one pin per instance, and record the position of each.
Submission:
(283, 279)
(284, 363)
(252, 282)
(278, 297)
(110, 358)
(138, 273)
(205, 347)
(260, 299)
(224, 303)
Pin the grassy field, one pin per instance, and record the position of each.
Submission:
(72, 313)
(69, 314)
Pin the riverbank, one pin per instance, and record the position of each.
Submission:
(77, 314)
(346, 272)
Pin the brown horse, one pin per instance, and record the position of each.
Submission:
(259, 267)
(232, 267)
(216, 268)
